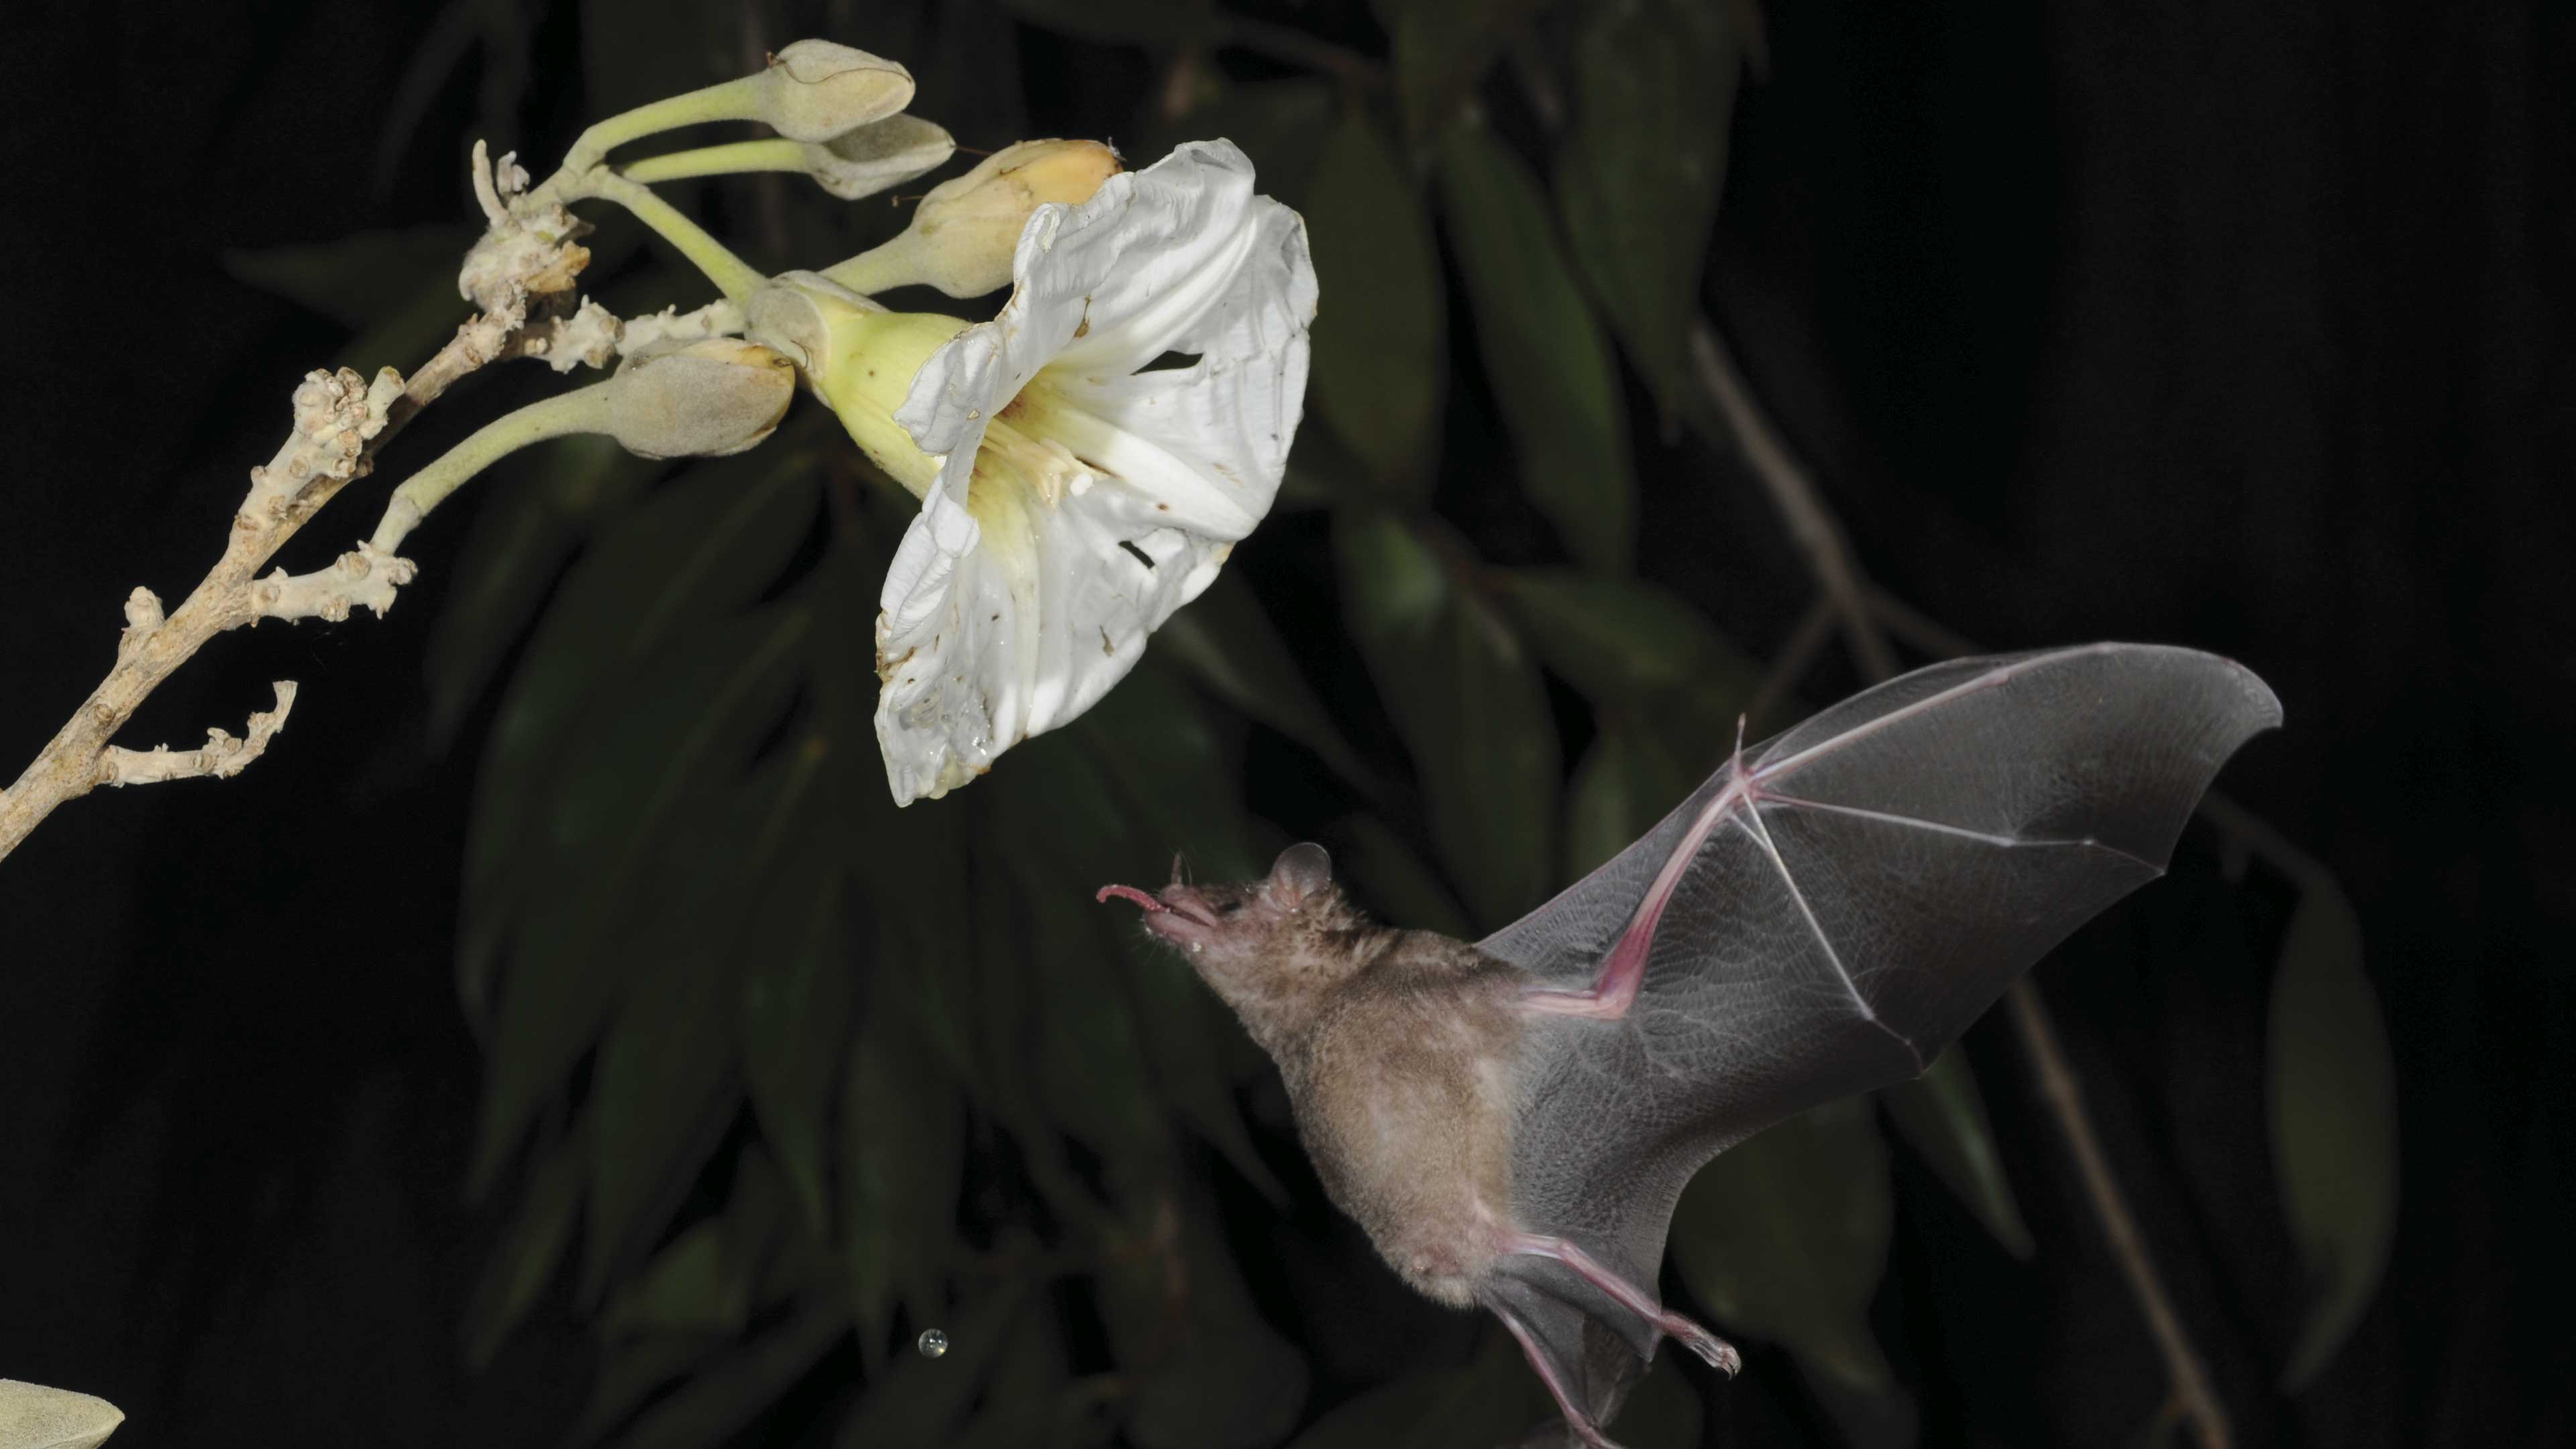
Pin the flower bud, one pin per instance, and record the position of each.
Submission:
(701, 399)
(965, 230)
(816, 89)
(878, 155)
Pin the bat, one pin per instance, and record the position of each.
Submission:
(1512, 1121)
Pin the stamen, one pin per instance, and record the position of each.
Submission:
(1044, 466)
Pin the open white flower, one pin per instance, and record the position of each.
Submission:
(1077, 486)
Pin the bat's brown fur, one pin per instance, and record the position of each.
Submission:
(1398, 1050)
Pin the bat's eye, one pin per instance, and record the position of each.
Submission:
(1228, 908)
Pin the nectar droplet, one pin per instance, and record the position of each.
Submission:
(932, 1343)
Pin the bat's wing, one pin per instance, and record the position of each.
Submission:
(1828, 916)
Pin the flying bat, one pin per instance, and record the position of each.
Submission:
(1512, 1121)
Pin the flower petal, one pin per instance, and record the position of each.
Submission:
(1104, 288)
(1037, 615)
(1040, 562)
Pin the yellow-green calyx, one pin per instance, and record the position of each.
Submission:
(858, 358)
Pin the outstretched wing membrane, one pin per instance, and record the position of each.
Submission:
(1826, 915)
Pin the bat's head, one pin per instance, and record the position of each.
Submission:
(1229, 919)
(1257, 942)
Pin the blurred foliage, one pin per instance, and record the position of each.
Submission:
(2334, 1120)
(780, 1076)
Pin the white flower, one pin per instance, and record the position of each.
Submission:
(1083, 492)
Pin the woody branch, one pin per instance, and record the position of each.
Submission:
(519, 277)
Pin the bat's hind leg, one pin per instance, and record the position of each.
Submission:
(1579, 1423)
(1717, 1352)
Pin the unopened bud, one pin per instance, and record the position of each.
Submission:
(816, 89)
(701, 399)
(965, 230)
(878, 155)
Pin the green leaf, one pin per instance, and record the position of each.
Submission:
(1543, 352)
(902, 1152)
(781, 1255)
(1226, 640)
(630, 1371)
(1198, 1054)
(1151, 774)
(920, 1400)
(841, 663)
(1494, 1399)
(2334, 1122)
(1630, 644)
(1442, 49)
(1236, 1388)
(1638, 180)
(1393, 881)
(1212, 1374)
(1031, 1398)
(796, 995)
(530, 1250)
(1869, 1417)
(1784, 1237)
(1467, 699)
(698, 550)
(1174, 779)
(1280, 124)
(1227, 1381)
(1625, 783)
(695, 1285)
(662, 1097)
(1088, 1065)
(914, 873)
(1124, 22)
(1943, 1116)
(540, 503)
(357, 280)
(1662, 1413)
(637, 51)
(709, 701)
(712, 1406)
(1378, 338)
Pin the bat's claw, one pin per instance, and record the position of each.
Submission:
(1716, 1352)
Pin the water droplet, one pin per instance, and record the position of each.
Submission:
(932, 1343)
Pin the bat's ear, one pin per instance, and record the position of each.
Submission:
(1301, 871)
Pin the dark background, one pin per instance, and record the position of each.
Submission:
(2246, 327)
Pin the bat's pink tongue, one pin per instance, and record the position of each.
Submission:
(1130, 893)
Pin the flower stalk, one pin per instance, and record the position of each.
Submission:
(811, 91)
(859, 164)
(1074, 490)
(732, 276)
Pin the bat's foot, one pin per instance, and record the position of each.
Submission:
(1718, 1353)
